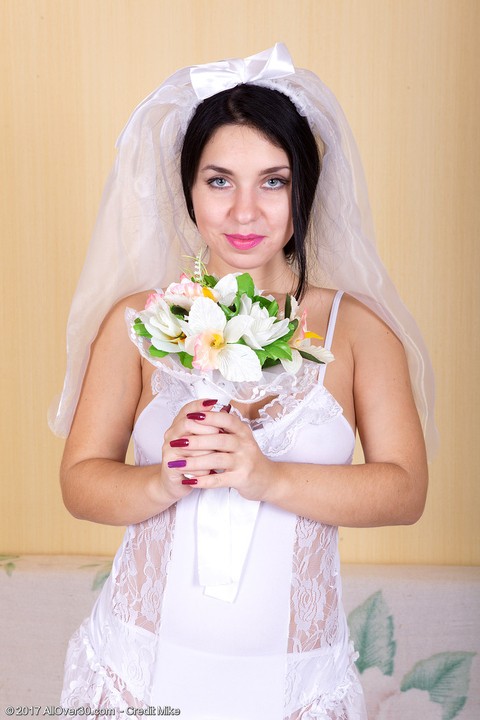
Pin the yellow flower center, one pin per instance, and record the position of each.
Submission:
(208, 293)
(217, 341)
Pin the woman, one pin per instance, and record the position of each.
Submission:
(256, 631)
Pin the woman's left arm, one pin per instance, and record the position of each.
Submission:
(388, 489)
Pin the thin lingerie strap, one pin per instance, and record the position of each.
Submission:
(330, 331)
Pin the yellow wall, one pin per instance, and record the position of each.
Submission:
(407, 75)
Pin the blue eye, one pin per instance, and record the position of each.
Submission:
(218, 182)
(275, 183)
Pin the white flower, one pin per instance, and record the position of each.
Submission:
(163, 326)
(293, 307)
(226, 289)
(213, 342)
(264, 329)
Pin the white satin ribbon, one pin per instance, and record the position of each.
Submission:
(212, 78)
(225, 525)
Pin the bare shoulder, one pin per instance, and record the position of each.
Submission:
(364, 329)
(115, 318)
(358, 326)
(136, 301)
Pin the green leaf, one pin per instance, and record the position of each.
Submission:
(140, 328)
(445, 677)
(9, 567)
(229, 313)
(262, 301)
(209, 281)
(245, 285)
(307, 356)
(288, 306)
(262, 356)
(270, 362)
(186, 359)
(371, 629)
(179, 311)
(7, 564)
(278, 349)
(155, 352)
(273, 309)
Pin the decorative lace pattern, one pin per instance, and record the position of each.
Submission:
(295, 404)
(316, 407)
(143, 568)
(345, 701)
(88, 682)
(317, 628)
(315, 591)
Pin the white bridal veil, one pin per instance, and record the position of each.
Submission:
(143, 230)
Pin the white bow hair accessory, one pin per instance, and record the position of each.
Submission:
(212, 78)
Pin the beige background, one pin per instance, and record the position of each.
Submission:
(407, 75)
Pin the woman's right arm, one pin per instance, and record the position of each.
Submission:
(96, 483)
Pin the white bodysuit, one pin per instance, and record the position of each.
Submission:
(280, 649)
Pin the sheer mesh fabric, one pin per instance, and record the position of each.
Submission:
(140, 582)
(314, 597)
(90, 683)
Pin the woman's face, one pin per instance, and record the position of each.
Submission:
(242, 201)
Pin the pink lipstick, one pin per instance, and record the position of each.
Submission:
(244, 242)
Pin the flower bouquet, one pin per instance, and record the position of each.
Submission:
(227, 326)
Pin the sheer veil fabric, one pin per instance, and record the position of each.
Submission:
(143, 231)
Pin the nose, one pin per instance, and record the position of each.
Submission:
(245, 207)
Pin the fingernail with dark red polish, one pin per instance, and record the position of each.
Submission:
(226, 408)
(177, 463)
(209, 403)
(212, 472)
(196, 416)
(189, 481)
(181, 442)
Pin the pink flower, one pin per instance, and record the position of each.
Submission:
(185, 292)
(152, 298)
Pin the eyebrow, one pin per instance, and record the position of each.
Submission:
(225, 171)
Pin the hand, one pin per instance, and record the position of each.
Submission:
(176, 447)
(201, 442)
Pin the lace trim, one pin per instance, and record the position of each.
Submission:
(88, 683)
(344, 702)
(282, 417)
(315, 589)
(317, 408)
